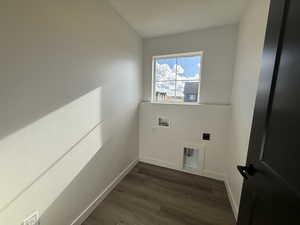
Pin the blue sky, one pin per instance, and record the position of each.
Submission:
(189, 64)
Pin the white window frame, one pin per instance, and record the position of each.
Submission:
(170, 56)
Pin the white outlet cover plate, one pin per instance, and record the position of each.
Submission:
(33, 219)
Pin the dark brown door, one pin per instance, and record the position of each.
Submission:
(271, 194)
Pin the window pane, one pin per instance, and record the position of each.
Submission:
(164, 91)
(187, 91)
(177, 79)
(188, 68)
(165, 69)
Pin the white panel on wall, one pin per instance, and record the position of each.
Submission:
(164, 147)
(193, 158)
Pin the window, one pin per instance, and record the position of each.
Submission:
(176, 78)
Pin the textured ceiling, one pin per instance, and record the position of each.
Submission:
(151, 18)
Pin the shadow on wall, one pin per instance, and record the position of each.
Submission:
(94, 178)
(58, 158)
(50, 57)
(54, 56)
(19, 110)
(100, 170)
(30, 154)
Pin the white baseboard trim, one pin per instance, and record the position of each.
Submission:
(231, 199)
(213, 175)
(204, 173)
(93, 205)
(159, 163)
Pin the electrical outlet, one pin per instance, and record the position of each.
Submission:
(33, 219)
(206, 136)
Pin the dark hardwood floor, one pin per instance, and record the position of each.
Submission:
(151, 195)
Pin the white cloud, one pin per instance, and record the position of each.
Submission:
(179, 68)
(165, 72)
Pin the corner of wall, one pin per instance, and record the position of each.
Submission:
(250, 41)
(92, 206)
(233, 203)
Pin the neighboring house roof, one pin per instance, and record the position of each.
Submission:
(191, 88)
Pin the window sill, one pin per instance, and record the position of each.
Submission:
(186, 104)
(173, 103)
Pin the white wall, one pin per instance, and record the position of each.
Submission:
(164, 146)
(248, 62)
(219, 47)
(70, 86)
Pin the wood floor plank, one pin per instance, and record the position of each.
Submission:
(175, 190)
(151, 195)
